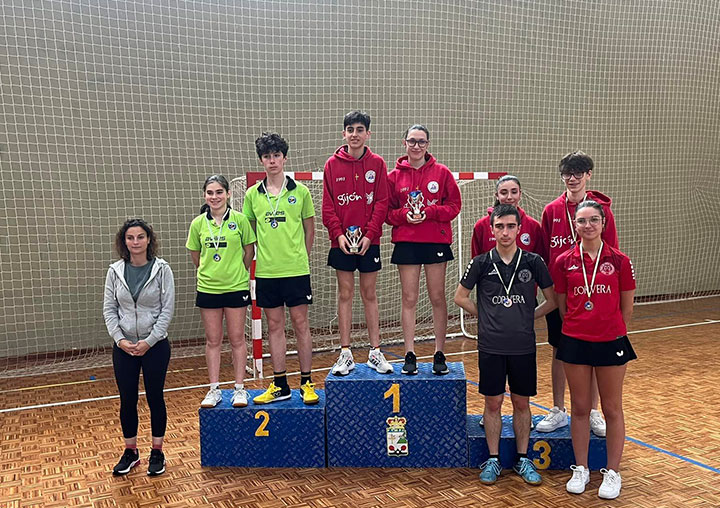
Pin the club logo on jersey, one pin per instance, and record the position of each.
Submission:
(346, 199)
(232, 226)
(292, 200)
(525, 238)
(607, 268)
(560, 241)
(524, 275)
(369, 197)
(433, 186)
(370, 176)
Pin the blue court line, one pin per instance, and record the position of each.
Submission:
(627, 438)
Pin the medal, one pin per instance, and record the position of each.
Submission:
(506, 301)
(217, 257)
(273, 223)
(590, 287)
(274, 209)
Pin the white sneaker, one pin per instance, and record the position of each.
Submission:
(597, 424)
(554, 420)
(212, 399)
(344, 364)
(377, 361)
(240, 398)
(611, 484)
(580, 478)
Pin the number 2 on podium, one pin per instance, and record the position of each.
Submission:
(394, 392)
(261, 430)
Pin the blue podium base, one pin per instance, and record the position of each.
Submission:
(547, 450)
(395, 420)
(282, 434)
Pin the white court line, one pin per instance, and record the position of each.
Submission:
(180, 388)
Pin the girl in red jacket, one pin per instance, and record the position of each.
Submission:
(423, 199)
(530, 236)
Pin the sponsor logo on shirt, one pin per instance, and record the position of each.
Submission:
(232, 226)
(433, 186)
(292, 200)
(573, 267)
(369, 197)
(498, 300)
(525, 238)
(493, 272)
(346, 199)
(557, 219)
(607, 268)
(600, 289)
(524, 275)
(370, 176)
(432, 202)
(340, 179)
(560, 241)
(404, 189)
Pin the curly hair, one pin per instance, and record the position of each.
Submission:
(121, 247)
(270, 142)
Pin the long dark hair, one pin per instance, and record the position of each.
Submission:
(121, 247)
(214, 179)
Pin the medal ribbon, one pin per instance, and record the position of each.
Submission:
(589, 289)
(212, 236)
(509, 286)
(277, 202)
(570, 221)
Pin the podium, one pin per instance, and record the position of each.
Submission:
(396, 420)
(282, 434)
(547, 450)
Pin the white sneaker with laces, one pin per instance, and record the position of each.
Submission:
(554, 420)
(597, 423)
(580, 478)
(212, 399)
(611, 484)
(344, 364)
(376, 360)
(240, 398)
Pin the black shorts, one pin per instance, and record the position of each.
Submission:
(596, 354)
(370, 262)
(234, 299)
(554, 327)
(520, 371)
(289, 291)
(410, 253)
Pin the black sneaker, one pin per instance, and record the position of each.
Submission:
(156, 464)
(410, 366)
(439, 365)
(130, 458)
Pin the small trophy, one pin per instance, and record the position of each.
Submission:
(416, 202)
(354, 234)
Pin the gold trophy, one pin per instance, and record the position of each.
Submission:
(354, 234)
(416, 202)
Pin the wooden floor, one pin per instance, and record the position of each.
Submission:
(61, 456)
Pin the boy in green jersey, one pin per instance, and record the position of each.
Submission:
(281, 212)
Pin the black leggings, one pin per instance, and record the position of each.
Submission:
(154, 366)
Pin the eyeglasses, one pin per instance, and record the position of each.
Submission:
(422, 143)
(595, 220)
(577, 174)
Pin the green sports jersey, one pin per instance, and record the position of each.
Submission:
(280, 237)
(221, 269)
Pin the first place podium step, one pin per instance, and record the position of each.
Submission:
(396, 420)
(282, 434)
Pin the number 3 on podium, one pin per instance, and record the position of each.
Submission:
(542, 446)
(394, 392)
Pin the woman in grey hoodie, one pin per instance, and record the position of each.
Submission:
(138, 306)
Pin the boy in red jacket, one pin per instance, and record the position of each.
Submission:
(354, 207)
(560, 235)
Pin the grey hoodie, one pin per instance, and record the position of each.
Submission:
(149, 318)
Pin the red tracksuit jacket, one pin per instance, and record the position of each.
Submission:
(530, 238)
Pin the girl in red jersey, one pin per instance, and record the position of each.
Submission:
(423, 199)
(595, 283)
(530, 236)
(575, 171)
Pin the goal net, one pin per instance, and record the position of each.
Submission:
(121, 109)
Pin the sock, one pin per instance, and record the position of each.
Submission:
(239, 386)
(519, 456)
(131, 447)
(345, 350)
(305, 378)
(281, 380)
(374, 348)
(497, 456)
(157, 447)
(214, 386)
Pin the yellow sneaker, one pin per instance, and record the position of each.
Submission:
(272, 394)
(307, 392)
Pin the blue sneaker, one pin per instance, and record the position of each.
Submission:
(526, 469)
(490, 471)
